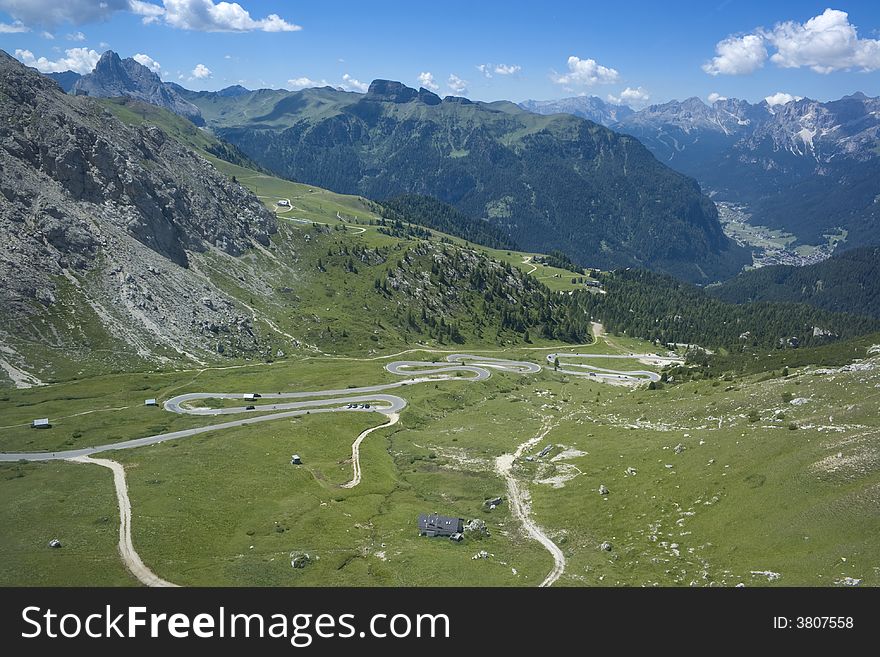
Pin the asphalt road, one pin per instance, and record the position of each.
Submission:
(318, 401)
(609, 375)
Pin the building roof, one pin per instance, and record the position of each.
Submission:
(437, 523)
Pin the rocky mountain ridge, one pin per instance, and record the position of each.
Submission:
(114, 77)
(548, 182)
(102, 229)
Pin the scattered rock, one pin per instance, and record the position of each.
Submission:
(299, 559)
(605, 546)
(476, 528)
(769, 574)
(631, 472)
(603, 490)
(482, 554)
(848, 581)
(54, 543)
(679, 448)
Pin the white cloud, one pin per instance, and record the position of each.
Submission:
(47, 35)
(501, 69)
(714, 97)
(585, 73)
(14, 27)
(205, 16)
(825, 43)
(426, 80)
(637, 98)
(147, 61)
(76, 36)
(151, 13)
(457, 85)
(305, 83)
(737, 56)
(507, 69)
(200, 72)
(79, 60)
(781, 98)
(196, 15)
(52, 12)
(351, 84)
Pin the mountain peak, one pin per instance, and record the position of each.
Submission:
(397, 92)
(115, 77)
(234, 90)
(391, 90)
(693, 102)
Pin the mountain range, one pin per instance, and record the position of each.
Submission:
(592, 108)
(552, 183)
(548, 182)
(810, 168)
(127, 243)
(114, 77)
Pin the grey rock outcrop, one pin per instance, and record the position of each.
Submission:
(115, 77)
(100, 223)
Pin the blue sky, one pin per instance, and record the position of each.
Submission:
(641, 52)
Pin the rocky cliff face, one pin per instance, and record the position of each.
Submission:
(114, 77)
(112, 219)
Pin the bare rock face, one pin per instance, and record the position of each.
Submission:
(117, 214)
(115, 77)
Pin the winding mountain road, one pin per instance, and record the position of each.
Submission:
(609, 375)
(357, 399)
(318, 401)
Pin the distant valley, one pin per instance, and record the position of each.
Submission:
(805, 167)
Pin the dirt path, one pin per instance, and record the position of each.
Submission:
(528, 261)
(130, 557)
(599, 332)
(356, 449)
(519, 504)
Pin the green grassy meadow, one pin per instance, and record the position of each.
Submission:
(744, 495)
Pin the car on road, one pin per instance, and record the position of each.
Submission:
(249, 408)
(366, 405)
